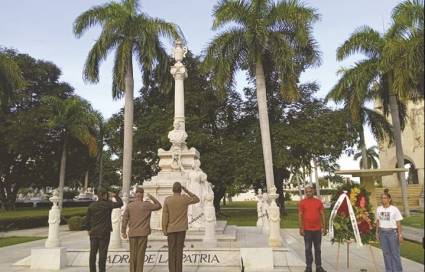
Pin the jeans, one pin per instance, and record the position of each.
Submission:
(391, 249)
(98, 244)
(313, 237)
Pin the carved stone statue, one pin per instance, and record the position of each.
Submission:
(275, 239)
(54, 221)
(177, 136)
(264, 214)
(210, 221)
(116, 222)
(198, 185)
(259, 209)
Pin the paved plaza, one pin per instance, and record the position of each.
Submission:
(360, 258)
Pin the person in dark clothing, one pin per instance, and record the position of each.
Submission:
(99, 225)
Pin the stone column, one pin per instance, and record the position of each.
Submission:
(54, 221)
(179, 72)
(275, 240)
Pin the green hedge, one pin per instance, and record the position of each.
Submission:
(75, 222)
(34, 218)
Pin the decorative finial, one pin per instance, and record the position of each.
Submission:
(179, 51)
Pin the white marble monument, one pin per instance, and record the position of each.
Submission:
(179, 163)
(52, 257)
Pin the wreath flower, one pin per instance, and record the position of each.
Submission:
(359, 199)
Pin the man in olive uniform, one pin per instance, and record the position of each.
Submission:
(98, 223)
(137, 217)
(175, 224)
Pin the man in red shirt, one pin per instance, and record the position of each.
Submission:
(311, 218)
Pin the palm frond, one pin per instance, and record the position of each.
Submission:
(229, 11)
(97, 15)
(364, 40)
(381, 129)
(106, 42)
(225, 54)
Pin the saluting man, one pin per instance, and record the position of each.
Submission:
(175, 224)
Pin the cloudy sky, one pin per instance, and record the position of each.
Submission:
(43, 29)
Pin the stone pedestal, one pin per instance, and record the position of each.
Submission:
(48, 258)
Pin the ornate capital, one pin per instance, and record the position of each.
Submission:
(179, 71)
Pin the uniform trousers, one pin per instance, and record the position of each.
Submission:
(175, 251)
(138, 246)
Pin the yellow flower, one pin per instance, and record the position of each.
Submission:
(353, 195)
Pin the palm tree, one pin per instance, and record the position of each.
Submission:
(405, 49)
(371, 158)
(262, 30)
(73, 118)
(131, 33)
(11, 79)
(397, 58)
(354, 91)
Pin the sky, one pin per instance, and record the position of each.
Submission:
(43, 29)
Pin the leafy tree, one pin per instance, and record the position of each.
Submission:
(280, 31)
(27, 144)
(371, 155)
(131, 33)
(72, 118)
(10, 78)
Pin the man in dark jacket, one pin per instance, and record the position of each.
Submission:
(98, 223)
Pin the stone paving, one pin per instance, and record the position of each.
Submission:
(360, 258)
(413, 234)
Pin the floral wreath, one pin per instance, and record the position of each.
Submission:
(359, 198)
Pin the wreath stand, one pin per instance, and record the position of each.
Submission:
(339, 253)
(375, 265)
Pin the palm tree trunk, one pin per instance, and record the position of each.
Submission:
(128, 131)
(395, 117)
(264, 123)
(62, 172)
(100, 166)
(316, 174)
(86, 181)
(364, 150)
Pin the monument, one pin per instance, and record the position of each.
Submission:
(179, 163)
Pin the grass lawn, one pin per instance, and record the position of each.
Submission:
(248, 217)
(30, 212)
(13, 240)
(410, 250)
(415, 220)
(253, 204)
